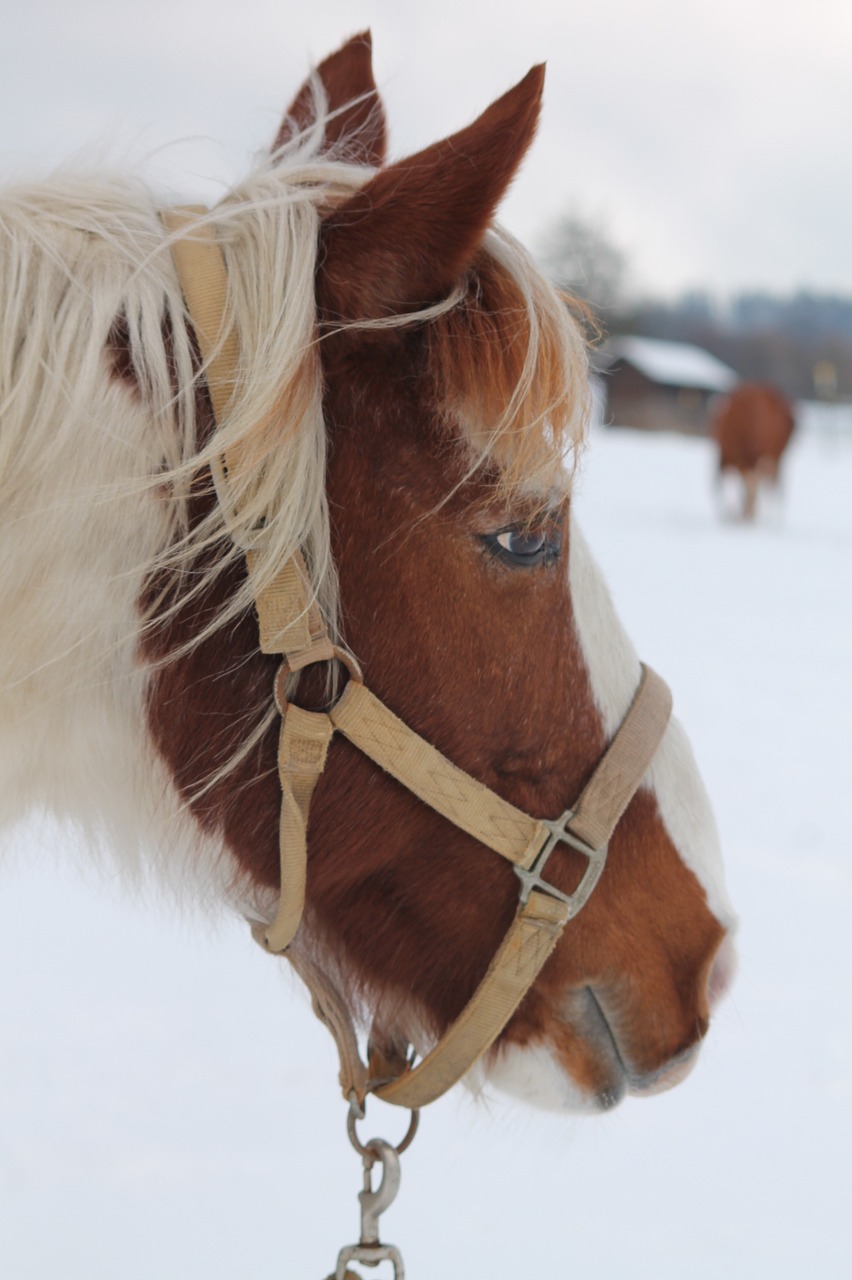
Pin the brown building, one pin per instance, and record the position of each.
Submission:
(660, 386)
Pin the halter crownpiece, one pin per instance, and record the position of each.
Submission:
(290, 624)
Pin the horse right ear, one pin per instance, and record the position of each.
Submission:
(403, 240)
(356, 124)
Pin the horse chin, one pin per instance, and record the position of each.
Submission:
(536, 1075)
(577, 1068)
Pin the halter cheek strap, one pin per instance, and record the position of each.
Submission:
(290, 624)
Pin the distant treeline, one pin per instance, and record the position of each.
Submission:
(802, 343)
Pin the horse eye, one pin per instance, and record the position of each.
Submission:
(523, 548)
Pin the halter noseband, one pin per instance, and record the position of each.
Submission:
(291, 625)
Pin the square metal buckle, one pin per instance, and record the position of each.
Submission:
(559, 833)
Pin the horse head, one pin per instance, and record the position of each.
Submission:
(410, 402)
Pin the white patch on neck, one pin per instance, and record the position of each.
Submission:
(614, 673)
(74, 737)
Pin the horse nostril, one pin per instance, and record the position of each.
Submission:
(722, 972)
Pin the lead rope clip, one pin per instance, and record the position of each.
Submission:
(369, 1251)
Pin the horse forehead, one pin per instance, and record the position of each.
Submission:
(614, 671)
(426, 460)
(502, 374)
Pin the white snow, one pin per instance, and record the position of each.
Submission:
(168, 1107)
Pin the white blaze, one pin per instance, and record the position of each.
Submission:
(614, 673)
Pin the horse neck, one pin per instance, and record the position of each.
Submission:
(71, 691)
(74, 740)
(78, 520)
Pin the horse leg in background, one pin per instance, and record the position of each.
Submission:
(769, 470)
(751, 485)
(728, 487)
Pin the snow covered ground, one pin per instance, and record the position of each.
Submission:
(167, 1101)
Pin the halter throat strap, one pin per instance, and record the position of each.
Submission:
(290, 624)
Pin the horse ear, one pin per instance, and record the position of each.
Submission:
(404, 239)
(357, 117)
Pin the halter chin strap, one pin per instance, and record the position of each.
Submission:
(292, 627)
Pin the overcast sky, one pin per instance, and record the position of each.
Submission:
(710, 138)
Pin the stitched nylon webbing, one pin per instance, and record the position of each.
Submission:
(204, 283)
(534, 933)
(400, 751)
(333, 1012)
(302, 750)
(287, 625)
(388, 741)
(625, 763)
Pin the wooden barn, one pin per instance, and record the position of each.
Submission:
(660, 386)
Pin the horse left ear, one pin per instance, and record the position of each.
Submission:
(356, 117)
(404, 240)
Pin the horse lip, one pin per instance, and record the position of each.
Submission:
(639, 1083)
(602, 1033)
(592, 1015)
(671, 1073)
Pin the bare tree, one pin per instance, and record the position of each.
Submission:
(579, 256)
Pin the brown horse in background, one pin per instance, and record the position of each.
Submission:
(752, 428)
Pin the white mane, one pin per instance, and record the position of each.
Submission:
(95, 472)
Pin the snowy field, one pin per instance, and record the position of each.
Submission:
(168, 1107)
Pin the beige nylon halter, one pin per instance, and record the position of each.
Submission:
(291, 627)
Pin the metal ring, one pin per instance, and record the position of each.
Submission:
(368, 1149)
(279, 686)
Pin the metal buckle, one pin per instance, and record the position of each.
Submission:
(530, 877)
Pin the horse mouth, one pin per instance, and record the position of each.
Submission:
(588, 1020)
(607, 1022)
(582, 1063)
(631, 1080)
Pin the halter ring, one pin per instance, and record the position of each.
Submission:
(357, 1112)
(338, 654)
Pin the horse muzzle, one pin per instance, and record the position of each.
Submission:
(640, 1066)
(604, 1043)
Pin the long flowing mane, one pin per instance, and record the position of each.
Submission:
(96, 335)
(83, 254)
